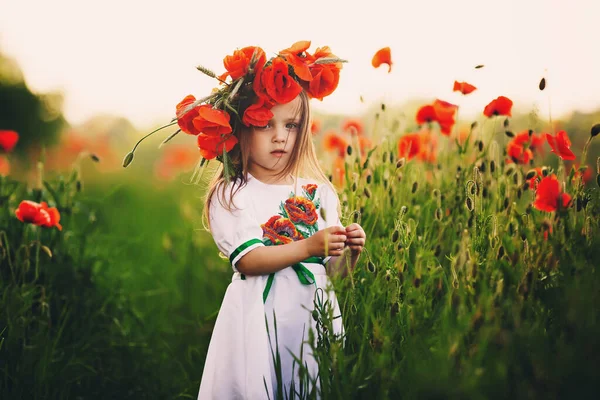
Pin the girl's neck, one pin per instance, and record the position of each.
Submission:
(270, 178)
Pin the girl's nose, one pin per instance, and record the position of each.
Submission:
(280, 135)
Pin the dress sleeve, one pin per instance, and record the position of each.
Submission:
(329, 200)
(235, 232)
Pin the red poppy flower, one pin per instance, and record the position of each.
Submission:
(334, 142)
(212, 146)
(4, 166)
(258, 114)
(463, 87)
(409, 145)
(353, 126)
(428, 147)
(238, 64)
(325, 77)
(537, 143)
(301, 211)
(586, 175)
(365, 144)
(561, 145)
(297, 57)
(441, 112)
(548, 196)
(280, 230)
(38, 214)
(8, 140)
(499, 106)
(533, 182)
(383, 56)
(274, 84)
(339, 172)
(185, 120)
(174, 159)
(211, 121)
(517, 150)
(315, 126)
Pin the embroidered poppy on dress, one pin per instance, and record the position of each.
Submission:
(561, 145)
(280, 230)
(499, 106)
(548, 196)
(383, 56)
(310, 189)
(301, 211)
(8, 140)
(463, 87)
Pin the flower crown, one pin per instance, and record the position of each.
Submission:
(255, 86)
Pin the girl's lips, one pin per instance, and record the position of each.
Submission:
(278, 153)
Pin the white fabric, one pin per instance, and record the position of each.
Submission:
(239, 361)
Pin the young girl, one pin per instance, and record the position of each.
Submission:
(272, 212)
(298, 218)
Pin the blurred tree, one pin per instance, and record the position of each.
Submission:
(36, 117)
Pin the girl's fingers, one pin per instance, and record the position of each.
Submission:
(358, 241)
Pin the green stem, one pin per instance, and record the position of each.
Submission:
(156, 130)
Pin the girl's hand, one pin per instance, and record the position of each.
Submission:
(327, 242)
(356, 238)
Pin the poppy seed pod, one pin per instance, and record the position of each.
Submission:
(128, 159)
(415, 186)
(595, 130)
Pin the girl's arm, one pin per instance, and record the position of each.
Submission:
(264, 260)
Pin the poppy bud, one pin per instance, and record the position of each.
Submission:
(484, 192)
(369, 178)
(349, 150)
(438, 214)
(371, 267)
(315, 315)
(415, 186)
(469, 204)
(391, 157)
(526, 185)
(417, 282)
(545, 171)
(506, 202)
(474, 125)
(395, 236)
(482, 167)
(382, 107)
(492, 166)
(511, 229)
(367, 193)
(78, 186)
(366, 164)
(400, 247)
(354, 186)
(94, 158)
(399, 177)
(401, 162)
(509, 134)
(480, 145)
(530, 174)
(542, 84)
(384, 157)
(595, 130)
(385, 183)
(128, 159)
(519, 193)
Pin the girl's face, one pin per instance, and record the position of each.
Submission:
(271, 146)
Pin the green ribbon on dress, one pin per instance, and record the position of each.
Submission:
(304, 275)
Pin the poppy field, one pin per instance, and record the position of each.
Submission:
(480, 277)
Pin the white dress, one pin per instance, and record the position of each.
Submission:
(239, 363)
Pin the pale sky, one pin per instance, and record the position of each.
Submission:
(137, 59)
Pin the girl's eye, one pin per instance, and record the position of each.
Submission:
(292, 125)
(267, 126)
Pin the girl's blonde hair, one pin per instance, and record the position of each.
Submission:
(303, 160)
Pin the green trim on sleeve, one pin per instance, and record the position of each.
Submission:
(243, 247)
